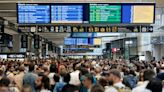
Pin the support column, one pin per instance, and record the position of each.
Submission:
(157, 52)
(16, 43)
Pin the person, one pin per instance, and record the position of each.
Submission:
(103, 82)
(61, 84)
(70, 88)
(4, 84)
(75, 75)
(115, 78)
(98, 73)
(42, 83)
(97, 88)
(18, 79)
(30, 77)
(26, 88)
(130, 79)
(88, 82)
(56, 79)
(160, 75)
(83, 72)
(155, 85)
(53, 71)
(148, 74)
(10, 73)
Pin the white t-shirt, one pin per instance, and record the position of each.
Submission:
(45, 90)
(75, 78)
(51, 75)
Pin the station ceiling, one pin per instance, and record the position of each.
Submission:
(8, 11)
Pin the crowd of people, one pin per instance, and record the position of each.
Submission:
(81, 75)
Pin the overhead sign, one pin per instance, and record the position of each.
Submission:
(33, 13)
(113, 13)
(66, 14)
(105, 13)
(92, 29)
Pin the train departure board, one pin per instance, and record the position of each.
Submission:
(82, 41)
(69, 41)
(143, 14)
(33, 13)
(105, 13)
(66, 14)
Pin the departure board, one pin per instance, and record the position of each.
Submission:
(69, 41)
(33, 13)
(143, 13)
(66, 14)
(82, 41)
(105, 13)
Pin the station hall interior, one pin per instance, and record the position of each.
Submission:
(81, 45)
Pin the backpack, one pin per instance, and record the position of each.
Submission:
(123, 89)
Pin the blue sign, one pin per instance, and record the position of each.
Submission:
(82, 41)
(66, 14)
(126, 14)
(69, 41)
(33, 13)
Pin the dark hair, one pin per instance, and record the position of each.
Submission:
(103, 82)
(31, 67)
(148, 74)
(155, 85)
(132, 72)
(97, 88)
(21, 68)
(4, 82)
(67, 78)
(69, 88)
(115, 73)
(89, 77)
(74, 66)
(46, 82)
(56, 78)
(53, 68)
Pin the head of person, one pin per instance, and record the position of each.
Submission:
(103, 82)
(27, 88)
(97, 88)
(155, 85)
(46, 71)
(4, 82)
(21, 69)
(12, 69)
(56, 78)
(31, 67)
(114, 76)
(62, 70)
(53, 68)
(67, 78)
(148, 74)
(42, 82)
(88, 80)
(70, 88)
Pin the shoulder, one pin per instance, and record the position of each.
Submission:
(111, 89)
